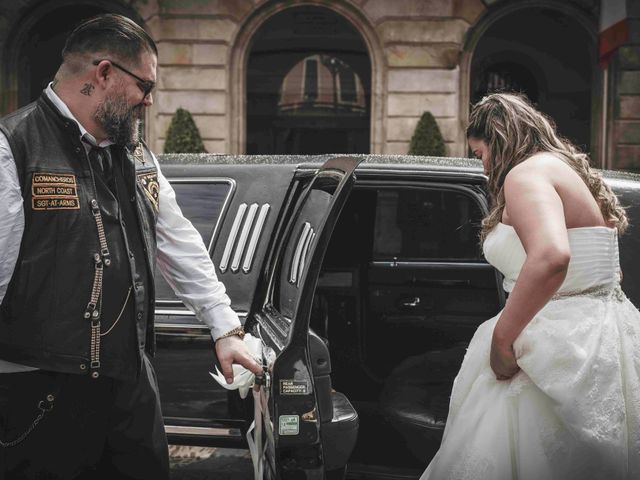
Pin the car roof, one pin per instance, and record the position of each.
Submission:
(370, 162)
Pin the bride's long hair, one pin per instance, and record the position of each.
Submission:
(514, 130)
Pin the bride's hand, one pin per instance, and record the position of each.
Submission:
(503, 360)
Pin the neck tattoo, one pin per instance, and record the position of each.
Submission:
(87, 89)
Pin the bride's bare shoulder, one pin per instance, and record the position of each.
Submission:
(541, 166)
(541, 160)
(537, 175)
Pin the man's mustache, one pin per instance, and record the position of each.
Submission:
(137, 111)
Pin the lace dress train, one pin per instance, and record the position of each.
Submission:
(573, 411)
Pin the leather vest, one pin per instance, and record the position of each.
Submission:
(47, 314)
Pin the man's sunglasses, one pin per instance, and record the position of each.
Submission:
(146, 86)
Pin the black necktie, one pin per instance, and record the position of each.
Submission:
(101, 162)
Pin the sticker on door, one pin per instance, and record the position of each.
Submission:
(288, 424)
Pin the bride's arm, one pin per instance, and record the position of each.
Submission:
(535, 210)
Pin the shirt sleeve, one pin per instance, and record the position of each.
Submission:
(12, 218)
(11, 230)
(185, 264)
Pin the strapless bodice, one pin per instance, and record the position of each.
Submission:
(594, 257)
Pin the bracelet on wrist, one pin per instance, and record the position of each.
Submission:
(238, 331)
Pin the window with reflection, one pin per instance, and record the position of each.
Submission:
(308, 85)
(202, 204)
(426, 225)
(505, 77)
(321, 85)
(547, 55)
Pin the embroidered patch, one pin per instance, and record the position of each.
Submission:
(149, 183)
(138, 154)
(54, 191)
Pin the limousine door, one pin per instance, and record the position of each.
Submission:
(310, 429)
(236, 208)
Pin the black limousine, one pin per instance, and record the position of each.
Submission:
(364, 280)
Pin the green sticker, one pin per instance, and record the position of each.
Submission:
(289, 425)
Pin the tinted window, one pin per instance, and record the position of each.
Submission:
(202, 204)
(424, 224)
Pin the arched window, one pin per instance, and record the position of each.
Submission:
(308, 85)
(505, 77)
(546, 55)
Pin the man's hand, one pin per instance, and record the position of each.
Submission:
(232, 350)
(503, 360)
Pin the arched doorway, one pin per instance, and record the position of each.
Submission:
(33, 53)
(40, 57)
(546, 54)
(308, 85)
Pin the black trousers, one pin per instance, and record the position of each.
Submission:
(97, 429)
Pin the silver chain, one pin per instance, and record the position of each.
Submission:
(44, 408)
(103, 259)
(94, 307)
(126, 300)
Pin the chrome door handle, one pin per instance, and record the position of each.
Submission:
(264, 379)
(410, 302)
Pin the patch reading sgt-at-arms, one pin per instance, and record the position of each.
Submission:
(54, 191)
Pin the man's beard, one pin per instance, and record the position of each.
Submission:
(120, 121)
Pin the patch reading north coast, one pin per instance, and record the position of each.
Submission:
(54, 191)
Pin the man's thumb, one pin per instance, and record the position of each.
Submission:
(227, 371)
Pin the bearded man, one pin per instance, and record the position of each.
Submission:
(87, 213)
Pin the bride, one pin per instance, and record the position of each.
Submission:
(550, 387)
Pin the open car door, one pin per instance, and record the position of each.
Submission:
(310, 429)
(236, 208)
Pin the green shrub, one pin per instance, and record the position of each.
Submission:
(427, 139)
(183, 135)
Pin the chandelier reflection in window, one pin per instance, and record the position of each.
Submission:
(321, 85)
(506, 77)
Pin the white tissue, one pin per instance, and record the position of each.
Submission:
(243, 379)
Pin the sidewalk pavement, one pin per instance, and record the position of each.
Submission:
(204, 463)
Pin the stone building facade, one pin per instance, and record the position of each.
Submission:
(226, 60)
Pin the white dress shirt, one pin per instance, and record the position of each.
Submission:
(182, 257)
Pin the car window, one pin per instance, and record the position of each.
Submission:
(426, 224)
(202, 204)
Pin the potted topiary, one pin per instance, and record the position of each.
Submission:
(183, 135)
(427, 139)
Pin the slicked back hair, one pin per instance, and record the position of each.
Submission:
(112, 34)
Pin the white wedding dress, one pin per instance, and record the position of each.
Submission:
(573, 411)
